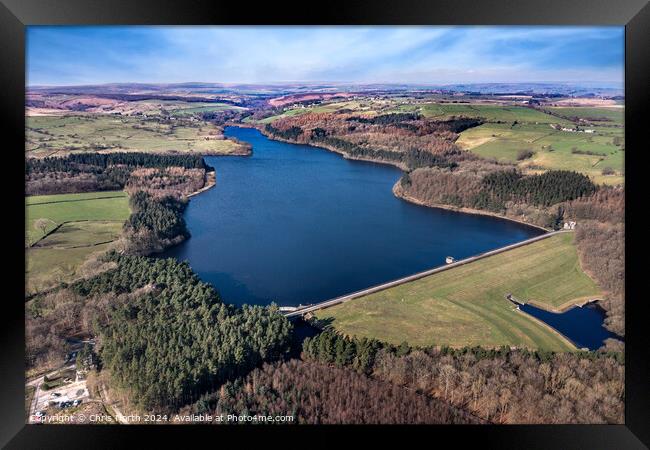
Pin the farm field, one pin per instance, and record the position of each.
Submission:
(604, 116)
(60, 135)
(210, 107)
(441, 111)
(588, 153)
(490, 113)
(89, 206)
(466, 305)
(88, 222)
(356, 106)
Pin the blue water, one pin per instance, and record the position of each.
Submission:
(583, 326)
(295, 224)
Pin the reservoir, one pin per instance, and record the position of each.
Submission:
(295, 224)
(582, 325)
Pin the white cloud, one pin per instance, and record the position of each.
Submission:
(364, 54)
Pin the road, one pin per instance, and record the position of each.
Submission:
(381, 287)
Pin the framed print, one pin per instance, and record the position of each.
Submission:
(370, 215)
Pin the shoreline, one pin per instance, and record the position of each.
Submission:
(210, 182)
(550, 328)
(561, 309)
(398, 191)
(330, 148)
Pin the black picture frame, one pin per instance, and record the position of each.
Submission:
(633, 14)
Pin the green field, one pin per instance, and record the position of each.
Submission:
(211, 107)
(490, 113)
(88, 222)
(466, 305)
(604, 116)
(93, 206)
(359, 107)
(554, 149)
(50, 135)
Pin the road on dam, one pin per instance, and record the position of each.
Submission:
(344, 298)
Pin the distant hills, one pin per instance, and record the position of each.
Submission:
(199, 88)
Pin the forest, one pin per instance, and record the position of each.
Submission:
(406, 140)
(409, 158)
(547, 189)
(498, 188)
(154, 223)
(174, 340)
(87, 172)
(80, 161)
(317, 393)
(601, 242)
(497, 385)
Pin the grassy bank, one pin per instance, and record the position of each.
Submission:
(466, 306)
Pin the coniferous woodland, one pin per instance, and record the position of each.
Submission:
(87, 172)
(547, 189)
(175, 340)
(163, 336)
(155, 223)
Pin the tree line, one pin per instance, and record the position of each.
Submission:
(411, 157)
(500, 385)
(86, 172)
(94, 161)
(386, 119)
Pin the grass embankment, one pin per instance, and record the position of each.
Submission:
(87, 223)
(466, 305)
(60, 135)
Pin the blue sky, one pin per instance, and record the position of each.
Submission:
(432, 55)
